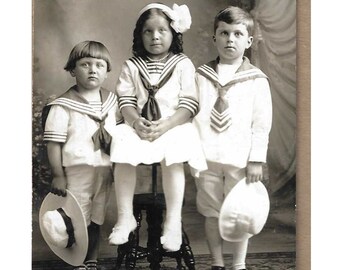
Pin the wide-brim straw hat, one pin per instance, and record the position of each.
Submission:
(74, 255)
(244, 211)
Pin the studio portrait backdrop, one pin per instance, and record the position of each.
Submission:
(60, 24)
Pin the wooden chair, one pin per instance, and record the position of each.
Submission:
(153, 204)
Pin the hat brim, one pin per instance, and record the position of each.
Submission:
(250, 200)
(74, 255)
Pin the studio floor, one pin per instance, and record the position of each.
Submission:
(277, 237)
(274, 248)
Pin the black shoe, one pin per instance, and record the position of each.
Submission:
(217, 268)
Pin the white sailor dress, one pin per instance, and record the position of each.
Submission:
(175, 89)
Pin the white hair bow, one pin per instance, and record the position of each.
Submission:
(180, 15)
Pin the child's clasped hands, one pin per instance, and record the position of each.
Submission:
(150, 130)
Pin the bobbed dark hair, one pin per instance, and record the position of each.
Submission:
(88, 48)
(138, 47)
(235, 15)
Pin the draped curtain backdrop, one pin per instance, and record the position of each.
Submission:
(274, 52)
(59, 24)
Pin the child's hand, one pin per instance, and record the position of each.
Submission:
(143, 128)
(59, 185)
(159, 128)
(254, 172)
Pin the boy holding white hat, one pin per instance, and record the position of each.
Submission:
(78, 128)
(234, 124)
(63, 227)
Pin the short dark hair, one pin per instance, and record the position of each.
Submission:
(138, 47)
(235, 15)
(88, 48)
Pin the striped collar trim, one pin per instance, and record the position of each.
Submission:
(74, 101)
(168, 67)
(245, 72)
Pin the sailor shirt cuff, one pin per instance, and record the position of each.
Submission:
(127, 101)
(189, 104)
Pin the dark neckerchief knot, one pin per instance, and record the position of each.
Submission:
(101, 138)
(151, 110)
(152, 89)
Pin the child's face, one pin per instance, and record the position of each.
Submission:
(157, 37)
(231, 40)
(90, 73)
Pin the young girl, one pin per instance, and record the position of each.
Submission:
(78, 132)
(157, 98)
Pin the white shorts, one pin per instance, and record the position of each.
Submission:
(91, 186)
(214, 185)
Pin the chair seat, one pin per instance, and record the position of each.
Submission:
(149, 199)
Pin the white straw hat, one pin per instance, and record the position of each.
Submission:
(244, 211)
(63, 227)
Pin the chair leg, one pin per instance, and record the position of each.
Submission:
(131, 256)
(154, 219)
(179, 261)
(121, 252)
(187, 253)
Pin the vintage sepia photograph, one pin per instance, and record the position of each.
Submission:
(164, 134)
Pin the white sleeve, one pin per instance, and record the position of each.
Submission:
(126, 89)
(56, 124)
(188, 94)
(261, 121)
